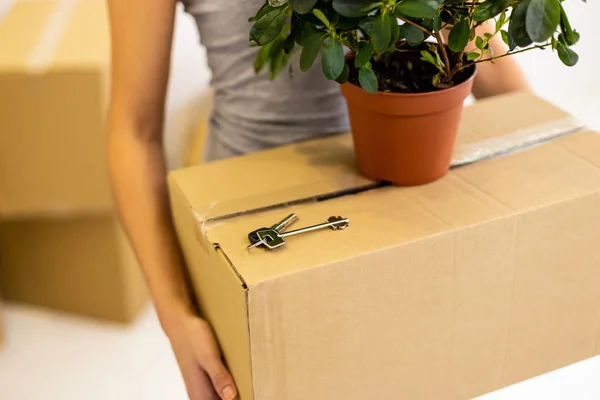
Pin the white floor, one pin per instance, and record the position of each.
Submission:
(53, 356)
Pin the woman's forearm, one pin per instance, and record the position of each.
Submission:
(138, 174)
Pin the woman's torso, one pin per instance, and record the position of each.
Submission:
(252, 112)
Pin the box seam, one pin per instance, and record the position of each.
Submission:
(578, 156)
(174, 184)
(219, 249)
(428, 211)
(316, 198)
(485, 194)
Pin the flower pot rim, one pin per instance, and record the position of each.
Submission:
(415, 95)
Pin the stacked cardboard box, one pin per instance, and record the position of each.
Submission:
(62, 245)
(450, 290)
(1, 324)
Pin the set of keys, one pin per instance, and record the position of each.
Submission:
(274, 237)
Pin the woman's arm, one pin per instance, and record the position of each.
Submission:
(141, 34)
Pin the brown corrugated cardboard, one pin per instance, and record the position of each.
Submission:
(445, 291)
(53, 74)
(80, 265)
(59, 239)
(1, 324)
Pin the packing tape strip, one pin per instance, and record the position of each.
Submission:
(43, 51)
(522, 138)
(217, 212)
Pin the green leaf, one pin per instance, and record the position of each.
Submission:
(364, 54)
(309, 18)
(570, 36)
(427, 56)
(368, 80)
(413, 35)
(543, 17)
(310, 50)
(567, 55)
(430, 58)
(425, 23)
(489, 9)
(262, 57)
(504, 35)
(268, 27)
(302, 6)
(395, 31)
(459, 36)
(347, 24)
(303, 30)
(517, 31)
(473, 56)
(574, 38)
(479, 43)
(279, 58)
(488, 36)
(289, 44)
(437, 24)
(472, 34)
(380, 31)
(417, 8)
(343, 78)
(501, 21)
(438, 59)
(332, 60)
(354, 8)
(263, 10)
(319, 14)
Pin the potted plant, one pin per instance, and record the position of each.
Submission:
(404, 85)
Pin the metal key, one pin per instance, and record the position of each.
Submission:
(273, 239)
(279, 227)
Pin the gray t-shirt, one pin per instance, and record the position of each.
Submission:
(251, 112)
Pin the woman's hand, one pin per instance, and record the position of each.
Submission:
(199, 359)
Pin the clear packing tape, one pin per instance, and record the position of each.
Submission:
(218, 212)
(514, 141)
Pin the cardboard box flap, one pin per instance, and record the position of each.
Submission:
(383, 216)
(315, 170)
(388, 217)
(295, 174)
(46, 35)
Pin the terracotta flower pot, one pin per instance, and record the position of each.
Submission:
(405, 139)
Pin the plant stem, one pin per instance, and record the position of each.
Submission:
(510, 53)
(348, 41)
(442, 47)
(427, 31)
(438, 38)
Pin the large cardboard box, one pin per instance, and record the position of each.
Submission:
(54, 61)
(450, 290)
(1, 324)
(79, 265)
(60, 244)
